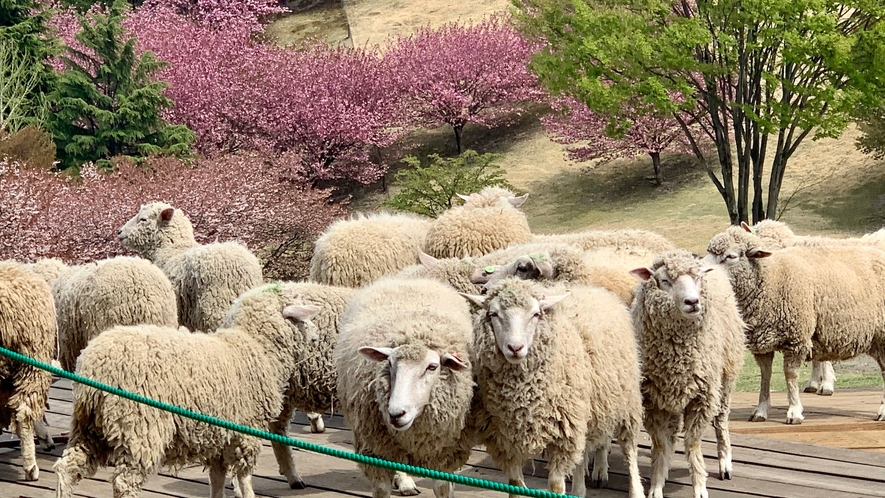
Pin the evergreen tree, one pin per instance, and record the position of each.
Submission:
(23, 25)
(107, 103)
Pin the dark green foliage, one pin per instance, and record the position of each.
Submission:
(430, 190)
(25, 28)
(84, 5)
(107, 102)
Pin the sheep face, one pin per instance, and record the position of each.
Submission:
(299, 315)
(681, 282)
(414, 372)
(527, 267)
(734, 247)
(147, 230)
(514, 312)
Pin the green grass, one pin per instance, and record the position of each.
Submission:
(858, 373)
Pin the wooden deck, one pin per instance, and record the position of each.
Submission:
(767, 461)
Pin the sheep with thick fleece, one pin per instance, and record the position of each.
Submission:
(27, 326)
(620, 239)
(824, 302)
(456, 272)
(237, 373)
(404, 377)
(488, 220)
(356, 252)
(556, 262)
(206, 278)
(557, 372)
(691, 338)
(48, 268)
(94, 297)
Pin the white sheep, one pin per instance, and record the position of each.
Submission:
(237, 374)
(94, 297)
(206, 278)
(691, 338)
(823, 302)
(487, 221)
(358, 251)
(558, 373)
(633, 239)
(404, 377)
(48, 268)
(27, 326)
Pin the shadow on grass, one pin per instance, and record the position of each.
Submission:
(859, 209)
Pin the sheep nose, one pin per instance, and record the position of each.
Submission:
(120, 231)
(396, 414)
(515, 349)
(690, 301)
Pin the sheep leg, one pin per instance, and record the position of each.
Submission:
(631, 457)
(127, 481)
(599, 476)
(217, 474)
(661, 451)
(41, 430)
(443, 489)
(404, 483)
(828, 379)
(245, 480)
(381, 488)
(720, 425)
(792, 362)
(25, 431)
(562, 457)
(815, 379)
(283, 453)
(579, 486)
(879, 354)
(760, 414)
(317, 426)
(77, 462)
(694, 429)
(513, 470)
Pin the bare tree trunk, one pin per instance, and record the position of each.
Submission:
(656, 163)
(458, 130)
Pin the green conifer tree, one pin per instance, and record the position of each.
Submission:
(107, 102)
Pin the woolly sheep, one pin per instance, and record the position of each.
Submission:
(558, 373)
(206, 278)
(456, 272)
(356, 252)
(404, 377)
(487, 221)
(777, 235)
(27, 326)
(822, 302)
(622, 239)
(237, 374)
(94, 297)
(691, 338)
(48, 269)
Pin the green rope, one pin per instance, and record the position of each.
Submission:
(346, 455)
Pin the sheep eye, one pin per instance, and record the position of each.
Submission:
(493, 314)
(730, 256)
(142, 219)
(536, 314)
(432, 367)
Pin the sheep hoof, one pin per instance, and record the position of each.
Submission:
(405, 485)
(317, 426)
(825, 392)
(794, 420)
(297, 483)
(758, 418)
(810, 389)
(413, 491)
(725, 475)
(48, 445)
(598, 483)
(32, 474)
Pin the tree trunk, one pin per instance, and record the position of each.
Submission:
(778, 167)
(458, 130)
(656, 162)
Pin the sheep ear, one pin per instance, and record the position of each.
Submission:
(517, 201)
(463, 197)
(483, 275)
(473, 298)
(642, 274)
(758, 253)
(452, 361)
(746, 227)
(544, 267)
(427, 260)
(300, 312)
(548, 302)
(377, 354)
(167, 213)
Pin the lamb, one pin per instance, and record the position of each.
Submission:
(237, 374)
(691, 338)
(556, 372)
(206, 278)
(27, 326)
(622, 239)
(823, 302)
(94, 297)
(487, 221)
(404, 377)
(356, 252)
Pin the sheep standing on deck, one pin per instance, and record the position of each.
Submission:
(691, 336)
(94, 297)
(556, 373)
(404, 377)
(825, 302)
(236, 374)
(356, 252)
(206, 278)
(27, 326)
(487, 221)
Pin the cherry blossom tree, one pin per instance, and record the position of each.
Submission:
(256, 199)
(459, 74)
(589, 136)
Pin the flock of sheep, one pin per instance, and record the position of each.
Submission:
(431, 336)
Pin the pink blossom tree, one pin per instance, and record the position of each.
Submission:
(256, 199)
(589, 136)
(459, 74)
